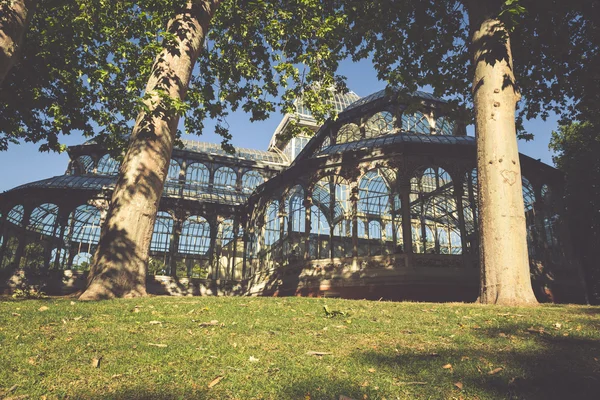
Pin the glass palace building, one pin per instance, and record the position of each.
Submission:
(379, 203)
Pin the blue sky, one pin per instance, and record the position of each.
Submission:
(24, 163)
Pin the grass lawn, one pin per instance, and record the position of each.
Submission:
(260, 348)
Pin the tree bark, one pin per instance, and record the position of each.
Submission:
(121, 260)
(13, 24)
(504, 260)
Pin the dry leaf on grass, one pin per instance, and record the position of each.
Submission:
(157, 344)
(43, 308)
(16, 314)
(447, 366)
(371, 370)
(459, 385)
(96, 362)
(155, 323)
(253, 359)
(215, 381)
(318, 353)
(495, 371)
(214, 322)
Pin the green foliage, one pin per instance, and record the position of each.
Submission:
(86, 64)
(418, 43)
(334, 313)
(156, 267)
(43, 96)
(577, 146)
(28, 293)
(263, 55)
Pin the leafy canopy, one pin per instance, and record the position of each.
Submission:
(555, 46)
(86, 64)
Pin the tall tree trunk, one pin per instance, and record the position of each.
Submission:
(504, 260)
(14, 21)
(121, 260)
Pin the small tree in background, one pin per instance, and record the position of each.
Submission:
(578, 148)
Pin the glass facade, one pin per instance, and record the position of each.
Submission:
(380, 187)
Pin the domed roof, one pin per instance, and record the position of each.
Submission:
(388, 93)
(339, 100)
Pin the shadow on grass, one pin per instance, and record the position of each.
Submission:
(587, 310)
(142, 394)
(312, 388)
(534, 364)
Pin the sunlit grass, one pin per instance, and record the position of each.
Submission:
(170, 348)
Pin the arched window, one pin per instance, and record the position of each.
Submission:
(225, 177)
(319, 232)
(59, 259)
(375, 205)
(108, 165)
(272, 226)
(546, 193)
(528, 195)
(331, 197)
(172, 182)
(417, 240)
(15, 215)
(82, 261)
(373, 194)
(161, 235)
(375, 242)
(296, 223)
(382, 123)
(195, 236)
(348, 133)
(434, 213)
(226, 233)
(272, 235)
(227, 253)
(374, 230)
(444, 126)
(83, 228)
(82, 165)
(197, 177)
(551, 218)
(528, 202)
(416, 123)
(251, 180)
(326, 143)
(470, 211)
(43, 219)
(342, 240)
(296, 211)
